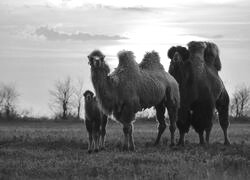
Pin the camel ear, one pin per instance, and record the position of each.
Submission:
(85, 93)
(184, 53)
(171, 52)
(90, 60)
(102, 58)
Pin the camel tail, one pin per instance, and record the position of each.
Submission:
(151, 60)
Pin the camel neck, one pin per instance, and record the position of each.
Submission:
(103, 87)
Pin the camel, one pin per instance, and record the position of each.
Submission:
(95, 122)
(133, 87)
(201, 88)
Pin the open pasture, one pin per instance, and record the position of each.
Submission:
(58, 150)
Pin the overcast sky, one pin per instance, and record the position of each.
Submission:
(45, 40)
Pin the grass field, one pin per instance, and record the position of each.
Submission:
(49, 150)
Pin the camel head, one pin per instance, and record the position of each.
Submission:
(88, 95)
(177, 54)
(211, 55)
(96, 61)
(211, 50)
(96, 58)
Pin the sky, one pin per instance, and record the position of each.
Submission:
(42, 41)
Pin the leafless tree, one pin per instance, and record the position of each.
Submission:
(63, 96)
(78, 95)
(240, 102)
(8, 99)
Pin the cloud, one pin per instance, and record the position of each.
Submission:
(52, 34)
(216, 36)
(140, 9)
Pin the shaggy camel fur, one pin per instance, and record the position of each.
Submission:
(95, 122)
(201, 88)
(133, 87)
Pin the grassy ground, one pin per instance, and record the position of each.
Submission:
(59, 151)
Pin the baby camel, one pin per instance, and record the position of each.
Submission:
(95, 122)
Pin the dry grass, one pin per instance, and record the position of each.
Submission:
(47, 150)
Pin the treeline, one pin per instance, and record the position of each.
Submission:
(66, 101)
(240, 102)
(8, 99)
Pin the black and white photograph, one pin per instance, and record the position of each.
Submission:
(129, 89)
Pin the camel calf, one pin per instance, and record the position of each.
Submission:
(95, 122)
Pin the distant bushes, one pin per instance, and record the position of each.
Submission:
(242, 119)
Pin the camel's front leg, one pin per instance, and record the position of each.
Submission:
(96, 137)
(131, 138)
(90, 143)
(126, 137)
(103, 132)
(160, 111)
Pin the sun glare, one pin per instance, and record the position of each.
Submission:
(150, 37)
(130, 3)
(66, 3)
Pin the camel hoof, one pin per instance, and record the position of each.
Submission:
(172, 145)
(125, 148)
(180, 144)
(227, 143)
(132, 148)
(156, 143)
(89, 151)
(205, 145)
(96, 150)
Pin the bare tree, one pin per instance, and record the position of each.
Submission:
(62, 96)
(240, 102)
(8, 99)
(78, 95)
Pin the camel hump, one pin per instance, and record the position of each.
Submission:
(212, 55)
(151, 61)
(126, 59)
(194, 45)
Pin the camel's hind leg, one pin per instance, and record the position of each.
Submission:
(202, 119)
(126, 119)
(222, 106)
(128, 137)
(172, 111)
(183, 124)
(201, 137)
(160, 111)
(208, 131)
(88, 125)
